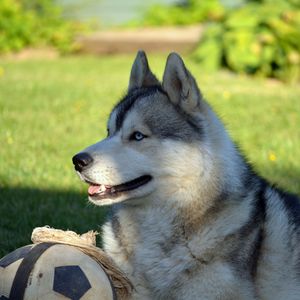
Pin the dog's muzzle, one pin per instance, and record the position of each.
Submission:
(81, 161)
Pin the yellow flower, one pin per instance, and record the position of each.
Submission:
(226, 95)
(1, 72)
(9, 138)
(256, 48)
(272, 156)
(294, 57)
(79, 104)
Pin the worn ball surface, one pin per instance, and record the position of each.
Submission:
(52, 271)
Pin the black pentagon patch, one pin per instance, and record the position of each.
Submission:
(71, 282)
(3, 298)
(14, 256)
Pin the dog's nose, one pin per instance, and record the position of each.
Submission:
(81, 161)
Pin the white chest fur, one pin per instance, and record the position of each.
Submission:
(151, 247)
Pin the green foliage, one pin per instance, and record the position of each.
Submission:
(31, 22)
(15, 26)
(189, 12)
(258, 38)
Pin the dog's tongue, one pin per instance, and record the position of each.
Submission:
(94, 189)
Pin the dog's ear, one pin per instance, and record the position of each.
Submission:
(180, 85)
(141, 75)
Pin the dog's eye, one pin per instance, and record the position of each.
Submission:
(137, 136)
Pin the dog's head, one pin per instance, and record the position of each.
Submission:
(157, 141)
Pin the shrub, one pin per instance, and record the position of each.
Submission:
(31, 22)
(185, 13)
(15, 26)
(258, 38)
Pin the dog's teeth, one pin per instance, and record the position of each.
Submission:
(102, 188)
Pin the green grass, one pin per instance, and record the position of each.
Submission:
(51, 109)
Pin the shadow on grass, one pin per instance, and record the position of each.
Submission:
(23, 209)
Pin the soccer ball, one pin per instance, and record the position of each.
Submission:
(53, 272)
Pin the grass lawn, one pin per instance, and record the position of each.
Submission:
(51, 109)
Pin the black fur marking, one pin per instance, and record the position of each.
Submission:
(251, 235)
(292, 205)
(128, 101)
(116, 226)
(259, 215)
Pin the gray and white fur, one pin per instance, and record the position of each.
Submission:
(189, 219)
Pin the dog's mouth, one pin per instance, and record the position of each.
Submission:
(101, 191)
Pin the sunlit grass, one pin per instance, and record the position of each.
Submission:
(51, 109)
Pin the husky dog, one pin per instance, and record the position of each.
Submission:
(190, 218)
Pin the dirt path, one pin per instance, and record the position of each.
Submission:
(181, 39)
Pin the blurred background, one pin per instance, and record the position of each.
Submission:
(64, 63)
(259, 37)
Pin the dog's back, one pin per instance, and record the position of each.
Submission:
(278, 269)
